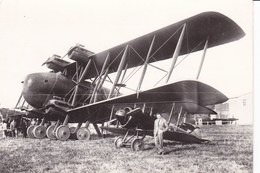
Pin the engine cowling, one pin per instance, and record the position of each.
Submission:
(122, 117)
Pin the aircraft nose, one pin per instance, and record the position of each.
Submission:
(28, 81)
(33, 82)
(36, 89)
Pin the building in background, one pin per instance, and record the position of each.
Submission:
(240, 108)
(237, 110)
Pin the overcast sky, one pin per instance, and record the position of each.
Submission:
(33, 30)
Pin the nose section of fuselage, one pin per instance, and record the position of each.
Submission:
(37, 88)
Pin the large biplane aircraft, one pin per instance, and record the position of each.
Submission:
(75, 92)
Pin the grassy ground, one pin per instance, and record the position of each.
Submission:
(231, 150)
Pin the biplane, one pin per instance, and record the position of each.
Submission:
(75, 92)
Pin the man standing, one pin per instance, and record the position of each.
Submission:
(23, 126)
(160, 126)
(4, 129)
(13, 129)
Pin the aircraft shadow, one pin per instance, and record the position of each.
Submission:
(172, 147)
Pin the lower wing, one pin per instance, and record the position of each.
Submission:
(184, 91)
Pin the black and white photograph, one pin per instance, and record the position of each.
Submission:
(141, 86)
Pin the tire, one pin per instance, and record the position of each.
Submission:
(137, 145)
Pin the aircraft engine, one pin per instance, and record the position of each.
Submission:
(134, 118)
(122, 116)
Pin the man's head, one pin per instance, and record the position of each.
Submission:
(158, 115)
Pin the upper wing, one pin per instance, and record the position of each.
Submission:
(188, 91)
(215, 27)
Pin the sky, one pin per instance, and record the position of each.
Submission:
(33, 30)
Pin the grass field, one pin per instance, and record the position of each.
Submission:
(230, 150)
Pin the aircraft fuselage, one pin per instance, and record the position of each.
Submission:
(39, 88)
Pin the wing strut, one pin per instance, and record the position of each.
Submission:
(176, 53)
(184, 118)
(119, 71)
(100, 78)
(144, 106)
(21, 103)
(169, 121)
(179, 118)
(121, 82)
(81, 78)
(101, 83)
(145, 65)
(151, 111)
(203, 58)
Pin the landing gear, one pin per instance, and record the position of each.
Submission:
(136, 143)
(63, 132)
(39, 131)
(118, 142)
(30, 131)
(83, 134)
(50, 132)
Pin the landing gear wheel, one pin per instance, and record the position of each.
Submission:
(118, 142)
(137, 144)
(30, 131)
(50, 132)
(83, 134)
(63, 133)
(39, 132)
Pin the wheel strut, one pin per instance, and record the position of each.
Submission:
(63, 131)
(30, 131)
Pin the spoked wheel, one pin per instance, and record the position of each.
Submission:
(63, 132)
(137, 144)
(83, 134)
(118, 142)
(39, 132)
(50, 132)
(30, 131)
